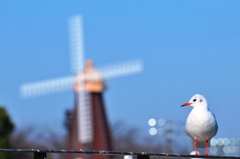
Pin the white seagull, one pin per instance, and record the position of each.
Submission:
(201, 124)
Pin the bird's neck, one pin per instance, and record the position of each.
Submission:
(201, 107)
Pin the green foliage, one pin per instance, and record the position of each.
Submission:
(6, 127)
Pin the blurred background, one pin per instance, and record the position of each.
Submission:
(186, 47)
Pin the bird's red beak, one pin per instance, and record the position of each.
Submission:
(186, 104)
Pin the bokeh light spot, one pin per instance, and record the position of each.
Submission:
(233, 149)
(213, 150)
(213, 142)
(219, 141)
(226, 149)
(152, 122)
(226, 141)
(233, 141)
(161, 122)
(152, 131)
(238, 141)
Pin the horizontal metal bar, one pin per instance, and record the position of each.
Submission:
(100, 152)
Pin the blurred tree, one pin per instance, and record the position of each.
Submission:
(129, 138)
(6, 127)
(32, 137)
(68, 118)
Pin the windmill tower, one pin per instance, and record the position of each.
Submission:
(89, 127)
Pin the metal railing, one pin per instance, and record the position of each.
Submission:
(42, 154)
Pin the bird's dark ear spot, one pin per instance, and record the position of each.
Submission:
(200, 100)
(194, 100)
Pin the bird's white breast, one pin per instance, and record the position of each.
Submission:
(201, 124)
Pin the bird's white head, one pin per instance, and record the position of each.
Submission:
(197, 101)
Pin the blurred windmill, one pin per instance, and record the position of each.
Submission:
(85, 131)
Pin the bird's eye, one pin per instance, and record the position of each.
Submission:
(194, 100)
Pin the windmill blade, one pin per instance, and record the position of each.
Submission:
(47, 86)
(85, 118)
(76, 43)
(121, 69)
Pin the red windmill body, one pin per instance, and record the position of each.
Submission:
(96, 135)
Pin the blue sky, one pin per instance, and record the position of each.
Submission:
(187, 47)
